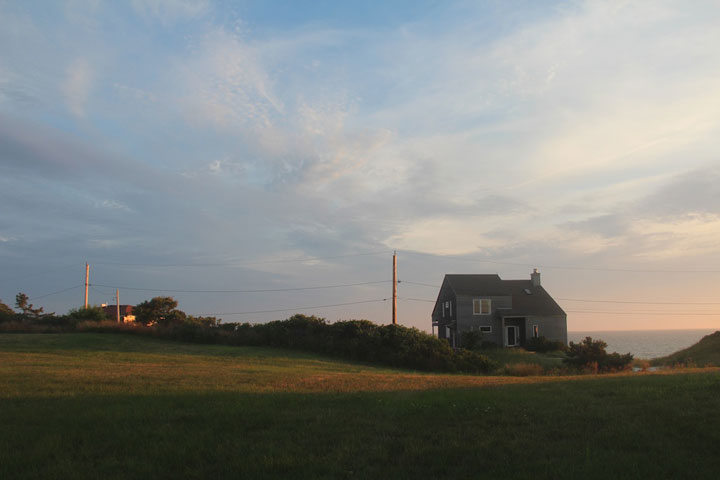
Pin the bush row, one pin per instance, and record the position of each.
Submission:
(358, 340)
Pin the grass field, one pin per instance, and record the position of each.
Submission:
(120, 406)
(706, 352)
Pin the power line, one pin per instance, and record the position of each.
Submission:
(636, 302)
(560, 267)
(296, 308)
(242, 262)
(100, 291)
(417, 299)
(59, 291)
(676, 314)
(417, 283)
(243, 291)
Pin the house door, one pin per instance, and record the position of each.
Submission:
(512, 331)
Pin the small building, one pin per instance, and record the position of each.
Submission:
(126, 312)
(506, 312)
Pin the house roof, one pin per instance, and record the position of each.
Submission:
(526, 298)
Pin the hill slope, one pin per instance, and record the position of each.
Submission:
(704, 353)
(114, 406)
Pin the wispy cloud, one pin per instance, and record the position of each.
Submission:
(170, 11)
(225, 82)
(77, 86)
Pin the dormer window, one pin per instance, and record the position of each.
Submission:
(481, 306)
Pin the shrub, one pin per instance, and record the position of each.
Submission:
(471, 340)
(543, 345)
(89, 314)
(615, 362)
(361, 340)
(590, 354)
(110, 326)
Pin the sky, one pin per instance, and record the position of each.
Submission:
(233, 154)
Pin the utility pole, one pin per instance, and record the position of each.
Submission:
(117, 302)
(394, 315)
(87, 282)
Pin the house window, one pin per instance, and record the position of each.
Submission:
(536, 331)
(481, 306)
(486, 328)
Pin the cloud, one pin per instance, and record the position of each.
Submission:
(695, 192)
(31, 150)
(678, 218)
(611, 225)
(113, 205)
(692, 236)
(136, 94)
(78, 83)
(170, 11)
(225, 82)
(12, 91)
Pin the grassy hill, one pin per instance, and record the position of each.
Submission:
(704, 353)
(117, 406)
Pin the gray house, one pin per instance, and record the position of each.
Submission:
(507, 312)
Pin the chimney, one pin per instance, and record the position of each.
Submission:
(535, 278)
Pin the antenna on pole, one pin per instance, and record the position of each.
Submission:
(87, 282)
(394, 311)
(117, 303)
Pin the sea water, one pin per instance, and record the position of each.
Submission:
(644, 343)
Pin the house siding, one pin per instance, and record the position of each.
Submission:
(551, 327)
(446, 294)
(467, 321)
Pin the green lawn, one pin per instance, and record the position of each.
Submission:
(118, 406)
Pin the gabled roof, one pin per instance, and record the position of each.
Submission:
(526, 298)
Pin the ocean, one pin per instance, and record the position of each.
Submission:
(644, 343)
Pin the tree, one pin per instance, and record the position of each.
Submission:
(28, 311)
(159, 310)
(6, 313)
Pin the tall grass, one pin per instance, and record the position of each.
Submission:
(704, 353)
(118, 406)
